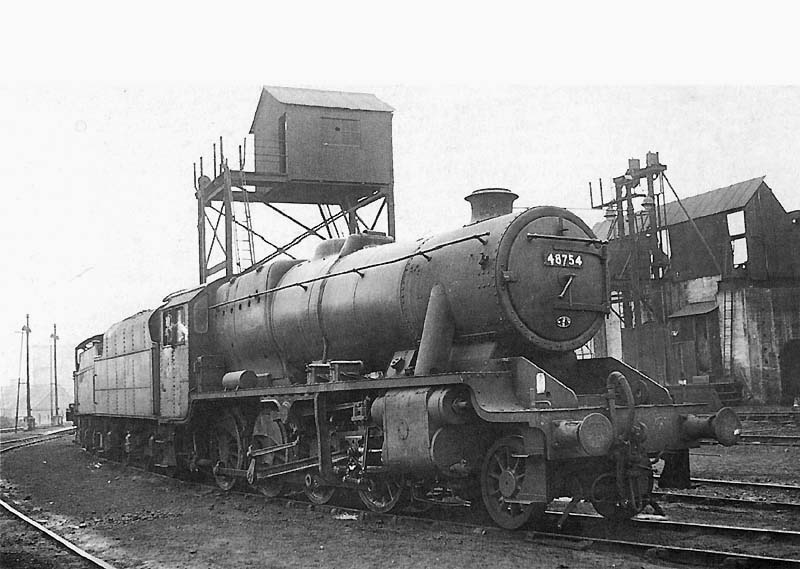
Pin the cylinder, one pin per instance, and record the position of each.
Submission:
(448, 406)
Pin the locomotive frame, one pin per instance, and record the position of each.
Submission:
(440, 371)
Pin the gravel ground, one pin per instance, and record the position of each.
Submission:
(751, 462)
(22, 548)
(133, 519)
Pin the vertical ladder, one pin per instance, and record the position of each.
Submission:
(248, 220)
(243, 248)
(249, 248)
(727, 330)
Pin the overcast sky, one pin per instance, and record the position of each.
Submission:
(99, 217)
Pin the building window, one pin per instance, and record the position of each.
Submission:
(586, 351)
(736, 231)
(736, 223)
(739, 248)
(663, 241)
(341, 132)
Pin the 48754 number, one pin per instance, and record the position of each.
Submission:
(573, 260)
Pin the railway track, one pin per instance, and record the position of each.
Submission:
(742, 484)
(596, 529)
(755, 415)
(746, 484)
(686, 498)
(653, 539)
(11, 444)
(63, 543)
(730, 502)
(590, 532)
(778, 440)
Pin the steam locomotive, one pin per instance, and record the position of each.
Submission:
(438, 371)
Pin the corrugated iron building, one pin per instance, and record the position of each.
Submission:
(730, 319)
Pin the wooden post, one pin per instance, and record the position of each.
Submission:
(390, 211)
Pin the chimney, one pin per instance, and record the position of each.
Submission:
(490, 202)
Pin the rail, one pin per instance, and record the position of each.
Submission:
(589, 532)
(24, 442)
(82, 553)
(685, 498)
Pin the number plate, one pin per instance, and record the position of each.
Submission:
(560, 259)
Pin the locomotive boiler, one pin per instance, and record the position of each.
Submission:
(437, 371)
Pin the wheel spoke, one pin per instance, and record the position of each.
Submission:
(225, 446)
(501, 478)
(499, 464)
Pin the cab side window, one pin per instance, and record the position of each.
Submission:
(166, 329)
(174, 331)
(181, 330)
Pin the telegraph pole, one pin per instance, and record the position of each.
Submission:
(27, 329)
(54, 336)
(50, 382)
(19, 377)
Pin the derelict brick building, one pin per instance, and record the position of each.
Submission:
(726, 314)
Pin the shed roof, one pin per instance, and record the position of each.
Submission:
(729, 198)
(332, 99)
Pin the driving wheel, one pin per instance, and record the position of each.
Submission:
(502, 476)
(226, 448)
(274, 434)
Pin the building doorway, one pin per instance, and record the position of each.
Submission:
(790, 372)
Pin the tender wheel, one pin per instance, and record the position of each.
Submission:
(382, 494)
(501, 480)
(86, 439)
(317, 492)
(226, 448)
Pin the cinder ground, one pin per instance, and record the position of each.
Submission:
(133, 519)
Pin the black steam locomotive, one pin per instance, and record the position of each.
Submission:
(442, 370)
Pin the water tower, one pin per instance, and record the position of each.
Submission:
(328, 151)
